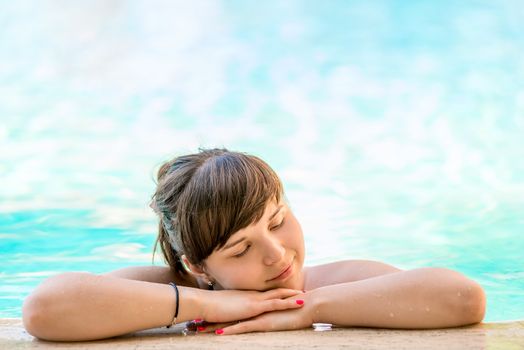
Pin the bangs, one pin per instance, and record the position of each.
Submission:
(227, 193)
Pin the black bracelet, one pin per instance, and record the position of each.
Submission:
(176, 309)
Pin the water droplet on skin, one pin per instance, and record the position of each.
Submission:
(391, 314)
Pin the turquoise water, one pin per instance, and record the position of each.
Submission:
(397, 128)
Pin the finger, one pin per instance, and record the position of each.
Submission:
(280, 304)
(281, 293)
(242, 327)
(211, 327)
(197, 325)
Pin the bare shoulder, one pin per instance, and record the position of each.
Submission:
(345, 271)
(155, 274)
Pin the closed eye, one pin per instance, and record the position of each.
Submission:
(243, 252)
(276, 227)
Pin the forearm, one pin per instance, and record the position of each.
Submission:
(83, 306)
(421, 298)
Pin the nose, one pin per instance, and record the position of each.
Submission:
(274, 251)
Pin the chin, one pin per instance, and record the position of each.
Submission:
(292, 283)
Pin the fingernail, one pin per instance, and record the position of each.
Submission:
(219, 331)
(197, 320)
(299, 301)
(201, 328)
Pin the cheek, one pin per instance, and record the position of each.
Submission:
(241, 275)
(296, 236)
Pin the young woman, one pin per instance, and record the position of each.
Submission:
(236, 264)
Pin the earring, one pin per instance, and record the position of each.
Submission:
(210, 285)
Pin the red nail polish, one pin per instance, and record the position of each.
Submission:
(219, 331)
(299, 301)
(201, 328)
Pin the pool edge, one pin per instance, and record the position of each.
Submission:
(494, 335)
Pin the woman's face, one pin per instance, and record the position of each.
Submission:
(265, 255)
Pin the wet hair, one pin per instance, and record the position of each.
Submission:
(203, 198)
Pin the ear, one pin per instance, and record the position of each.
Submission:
(194, 269)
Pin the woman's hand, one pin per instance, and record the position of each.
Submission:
(278, 320)
(232, 305)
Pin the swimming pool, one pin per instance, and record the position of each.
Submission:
(398, 133)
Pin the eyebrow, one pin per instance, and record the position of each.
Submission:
(227, 246)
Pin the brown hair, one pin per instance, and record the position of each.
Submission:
(203, 198)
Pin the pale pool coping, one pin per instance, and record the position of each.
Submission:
(492, 336)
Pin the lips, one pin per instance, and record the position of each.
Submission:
(282, 273)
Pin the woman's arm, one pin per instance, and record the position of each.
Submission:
(82, 306)
(420, 298)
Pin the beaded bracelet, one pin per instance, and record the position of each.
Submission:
(176, 308)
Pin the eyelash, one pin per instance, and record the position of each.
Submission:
(243, 252)
(249, 246)
(277, 226)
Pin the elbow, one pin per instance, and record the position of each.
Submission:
(474, 305)
(43, 309)
(34, 316)
(464, 300)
